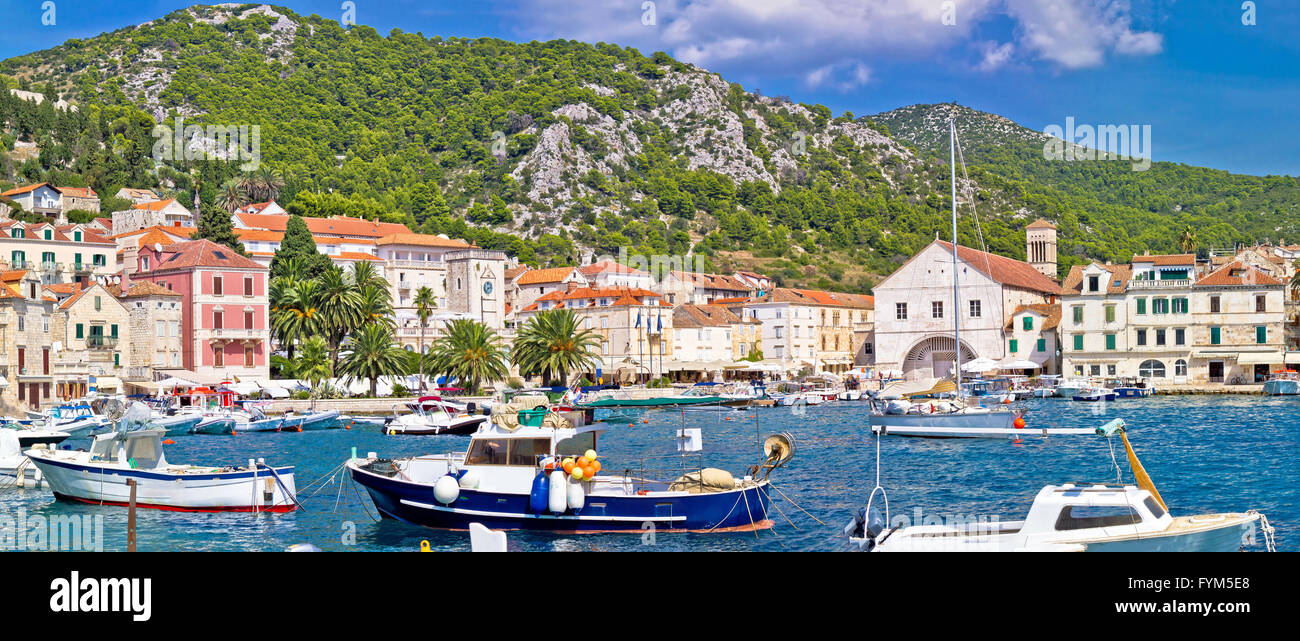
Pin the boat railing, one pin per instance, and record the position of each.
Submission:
(665, 469)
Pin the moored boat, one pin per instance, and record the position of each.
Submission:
(1282, 383)
(1094, 394)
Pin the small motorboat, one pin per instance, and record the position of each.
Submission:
(135, 453)
(218, 425)
(1075, 518)
(513, 477)
(1282, 383)
(1094, 394)
(432, 419)
(1069, 389)
(15, 467)
(32, 433)
(177, 424)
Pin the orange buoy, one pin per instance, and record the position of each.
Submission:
(1019, 423)
(169, 442)
(629, 425)
(645, 420)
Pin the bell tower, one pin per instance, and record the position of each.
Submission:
(1040, 247)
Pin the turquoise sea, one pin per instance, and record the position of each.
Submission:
(1205, 454)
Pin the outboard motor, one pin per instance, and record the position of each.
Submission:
(471, 408)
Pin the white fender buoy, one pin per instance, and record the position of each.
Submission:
(446, 490)
(469, 480)
(576, 495)
(558, 500)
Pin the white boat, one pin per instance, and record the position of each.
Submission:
(15, 467)
(432, 419)
(1282, 383)
(100, 476)
(1074, 518)
(1095, 394)
(850, 395)
(32, 433)
(1069, 389)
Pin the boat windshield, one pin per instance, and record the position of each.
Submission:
(576, 445)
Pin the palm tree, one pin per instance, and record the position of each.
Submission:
(232, 196)
(372, 354)
(1187, 240)
(471, 352)
(424, 306)
(314, 363)
(294, 312)
(375, 305)
(552, 344)
(270, 181)
(364, 273)
(338, 309)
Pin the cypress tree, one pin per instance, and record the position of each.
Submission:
(298, 243)
(214, 225)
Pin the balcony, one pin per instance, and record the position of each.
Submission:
(416, 264)
(237, 333)
(1180, 283)
(101, 343)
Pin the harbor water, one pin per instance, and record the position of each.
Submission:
(1205, 454)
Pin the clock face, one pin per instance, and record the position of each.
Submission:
(487, 287)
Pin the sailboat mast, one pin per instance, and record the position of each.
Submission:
(956, 303)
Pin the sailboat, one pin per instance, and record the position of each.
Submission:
(962, 416)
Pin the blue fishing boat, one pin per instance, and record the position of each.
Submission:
(536, 478)
(176, 425)
(1094, 394)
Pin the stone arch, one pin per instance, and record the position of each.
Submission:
(934, 356)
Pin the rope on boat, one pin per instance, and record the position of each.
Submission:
(749, 513)
(724, 519)
(292, 498)
(1268, 530)
(885, 495)
(778, 491)
(778, 508)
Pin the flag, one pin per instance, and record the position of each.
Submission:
(638, 318)
(660, 330)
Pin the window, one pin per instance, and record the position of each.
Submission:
(1015, 346)
(1160, 337)
(1078, 342)
(1180, 368)
(900, 311)
(248, 356)
(112, 331)
(49, 234)
(1142, 306)
(1141, 337)
(1216, 334)
(1180, 305)
(162, 329)
(1214, 304)
(76, 236)
(1110, 370)
(1095, 370)
(218, 319)
(1078, 370)
(1027, 323)
(81, 330)
(248, 320)
(216, 285)
(1180, 336)
(1151, 369)
(1110, 341)
(219, 356)
(1260, 303)
(1077, 310)
(99, 260)
(1261, 334)
(488, 451)
(975, 310)
(1110, 313)
(19, 232)
(1082, 517)
(97, 303)
(936, 309)
(248, 286)
(1041, 345)
(1094, 283)
(17, 257)
(117, 359)
(1159, 305)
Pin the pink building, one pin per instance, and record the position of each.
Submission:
(224, 318)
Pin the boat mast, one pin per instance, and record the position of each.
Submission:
(956, 303)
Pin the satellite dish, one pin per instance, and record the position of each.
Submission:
(157, 247)
(117, 280)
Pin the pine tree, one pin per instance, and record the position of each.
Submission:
(298, 243)
(216, 227)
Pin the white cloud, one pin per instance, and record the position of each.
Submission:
(833, 42)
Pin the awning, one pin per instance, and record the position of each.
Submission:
(1216, 356)
(1259, 358)
(1293, 358)
(109, 382)
(149, 385)
(191, 376)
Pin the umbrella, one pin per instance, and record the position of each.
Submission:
(171, 382)
(980, 364)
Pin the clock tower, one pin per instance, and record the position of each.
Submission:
(476, 285)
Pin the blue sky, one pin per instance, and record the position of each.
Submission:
(1216, 92)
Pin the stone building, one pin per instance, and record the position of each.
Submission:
(153, 330)
(26, 372)
(89, 332)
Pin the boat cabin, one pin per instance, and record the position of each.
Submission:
(1087, 511)
(139, 450)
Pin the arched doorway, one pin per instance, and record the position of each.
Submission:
(934, 357)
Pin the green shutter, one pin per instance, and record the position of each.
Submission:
(1078, 342)
(1110, 341)
(1261, 334)
(1041, 346)
(114, 331)
(1142, 305)
(1029, 323)
(1215, 335)
(81, 330)
(1110, 313)
(1015, 345)
(117, 359)
(1078, 314)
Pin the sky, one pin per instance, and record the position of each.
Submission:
(1217, 81)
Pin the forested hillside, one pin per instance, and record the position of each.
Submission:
(554, 150)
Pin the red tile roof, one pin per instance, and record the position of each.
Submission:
(22, 190)
(334, 226)
(1052, 312)
(423, 240)
(1040, 224)
(354, 256)
(703, 316)
(1237, 273)
(203, 253)
(816, 297)
(1007, 271)
(610, 266)
(142, 288)
(154, 205)
(78, 192)
(1162, 260)
(538, 276)
(711, 281)
(1117, 283)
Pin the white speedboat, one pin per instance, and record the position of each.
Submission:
(1095, 394)
(433, 418)
(959, 418)
(1282, 383)
(15, 467)
(100, 476)
(850, 395)
(1075, 518)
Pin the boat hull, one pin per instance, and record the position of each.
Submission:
(1093, 398)
(1282, 388)
(950, 425)
(1133, 392)
(462, 426)
(733, 510)
(237, 491)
